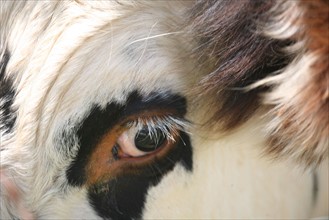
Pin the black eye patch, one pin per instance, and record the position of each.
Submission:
(99, 121)
(123, 197)
(7, 93)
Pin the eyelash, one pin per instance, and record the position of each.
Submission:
(169, 125)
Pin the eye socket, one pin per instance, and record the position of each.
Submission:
(147, 141)
(136, 144)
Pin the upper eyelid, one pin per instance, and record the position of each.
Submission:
(166, 123)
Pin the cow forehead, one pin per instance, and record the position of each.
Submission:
(85, 72)
(109, 57)
(81, 67)
(99, 60)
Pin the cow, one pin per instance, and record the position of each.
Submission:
(192, 109)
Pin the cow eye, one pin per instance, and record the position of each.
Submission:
(138, 145)
(147, 141)
(139, 141)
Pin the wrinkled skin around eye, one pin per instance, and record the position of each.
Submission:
(127, 142)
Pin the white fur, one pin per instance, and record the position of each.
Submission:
(66, 56)
(232, 180)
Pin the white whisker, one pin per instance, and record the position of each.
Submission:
(152, 37)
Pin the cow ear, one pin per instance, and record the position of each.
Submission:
(299, 119)
(271, 55)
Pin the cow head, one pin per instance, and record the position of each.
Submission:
(162, 109)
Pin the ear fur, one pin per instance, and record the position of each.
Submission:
(279, 51)
(299, 126)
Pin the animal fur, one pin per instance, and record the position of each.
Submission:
(280, 52)
(250, 78)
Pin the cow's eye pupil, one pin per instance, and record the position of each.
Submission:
(149, 141)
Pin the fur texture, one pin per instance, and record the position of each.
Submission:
(240, 81)
(300, 94)
(272, 48)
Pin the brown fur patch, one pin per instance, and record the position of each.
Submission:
(303, 130)
(236, 50)
(233, 54)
